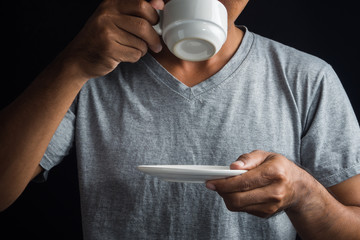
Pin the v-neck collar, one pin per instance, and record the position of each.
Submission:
(162, 75)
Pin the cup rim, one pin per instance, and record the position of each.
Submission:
(195, 57)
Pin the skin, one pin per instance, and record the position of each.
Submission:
(273, 184)
(192, 73)
(121, 31)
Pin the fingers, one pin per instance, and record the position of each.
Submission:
(118, 31)
(267, 188)
(244, 182)
(251, 160)
(157, 4)
(137, 17)
(263, 200)
(264, 168)
(129, 47)
(140, 28)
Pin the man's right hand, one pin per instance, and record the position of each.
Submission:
(118, 31)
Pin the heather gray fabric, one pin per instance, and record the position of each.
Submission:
(269, 96)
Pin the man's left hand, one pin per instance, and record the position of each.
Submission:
(272, 184)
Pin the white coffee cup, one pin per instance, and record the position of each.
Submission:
(193, 30)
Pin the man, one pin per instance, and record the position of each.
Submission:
(136, 108)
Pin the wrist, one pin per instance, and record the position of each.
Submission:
(316, 214)
(62, 71)
(70, 69)
(309, 194)
(59, 77)
(311, 203)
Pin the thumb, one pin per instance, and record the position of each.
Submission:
(250, 160)
(157, 4)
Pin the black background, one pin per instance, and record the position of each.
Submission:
(36, 31)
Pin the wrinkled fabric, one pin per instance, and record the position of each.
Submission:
(269, 96)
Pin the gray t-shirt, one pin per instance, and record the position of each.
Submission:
(269, 96)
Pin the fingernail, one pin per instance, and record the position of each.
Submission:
(210, 186)
(237, 165)
(158, 48)
(240, 163)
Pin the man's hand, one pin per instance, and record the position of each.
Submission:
(270, 186)
(118, 31)
(274, 183)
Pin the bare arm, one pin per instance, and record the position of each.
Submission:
(28, 124)
(326, 217)
(118, 31)
(273, 184)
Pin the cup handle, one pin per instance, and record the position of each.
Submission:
(158, 26)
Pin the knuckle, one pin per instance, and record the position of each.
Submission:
(101, 27)
(245, 157)
(279, 173)
(275, 172)
(142, 25)
(141, 6)
(133, 56)
(137, 55)
(270, 211)
(278, 196)
(102, 15)
(106, 34)
(142, 46)
(281, 176)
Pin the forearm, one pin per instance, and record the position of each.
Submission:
(321, 216)
(27, 126)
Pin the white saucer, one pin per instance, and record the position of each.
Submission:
(189, 173)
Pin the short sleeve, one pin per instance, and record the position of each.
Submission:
(330, 146)
(60, 144)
